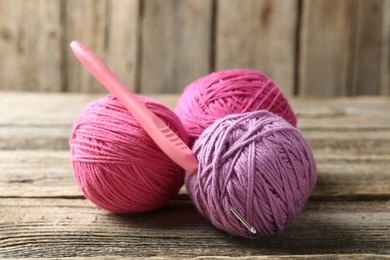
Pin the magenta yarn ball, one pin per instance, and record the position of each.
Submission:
(229, 92)
(257, 163)
(117, 165)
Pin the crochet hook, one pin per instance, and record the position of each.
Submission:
(161, 134)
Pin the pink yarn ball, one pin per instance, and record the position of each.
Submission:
(256, 163)
(229, 92)
(117, 165)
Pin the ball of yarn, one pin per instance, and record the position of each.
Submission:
(229, 92)
(256, 163)
(117, 165)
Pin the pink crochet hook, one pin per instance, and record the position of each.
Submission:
(161, 134)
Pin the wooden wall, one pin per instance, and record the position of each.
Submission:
(309, 47)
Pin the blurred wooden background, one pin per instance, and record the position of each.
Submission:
(308, 47)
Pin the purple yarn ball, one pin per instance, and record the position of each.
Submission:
(260, 165)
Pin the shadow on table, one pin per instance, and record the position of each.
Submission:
(179, 222)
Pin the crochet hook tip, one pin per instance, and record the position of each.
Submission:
(251, 228)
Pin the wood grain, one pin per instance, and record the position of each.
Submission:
(321, 48)
(72, 228)
(44, 215)
(259, 34)
(385, 50)
(335, 140)
(262, 257)
(352, 156)
(110, 29)
(349, 176)
(30, 45)
(122, 37)
(54, 109)
(61, 109)
(38, 109)
(176, 45)
(325, 43)
(339, 125)
(86, 22)
(341, 175)
(32, 173)
(368, 45)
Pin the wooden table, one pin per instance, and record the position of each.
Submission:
(43, 214)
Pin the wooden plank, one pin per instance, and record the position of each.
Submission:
(30, 45)
(62, 110)
(339, 125)
(325, 43)
(352, 139)
(367, 53)
(86, 22)
(351, 176)
(37, 109)
(336, 107)
(62, 228)
(36, 137)
(176, 44)
(342, 141)
(56, 110)
(37, 173)
(122, 34)
(341, 175)
(51, 123)
(261, 36)
(385, 51)
(262, 257)
(43, 214)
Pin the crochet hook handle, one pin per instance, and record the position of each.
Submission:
(161, 134)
